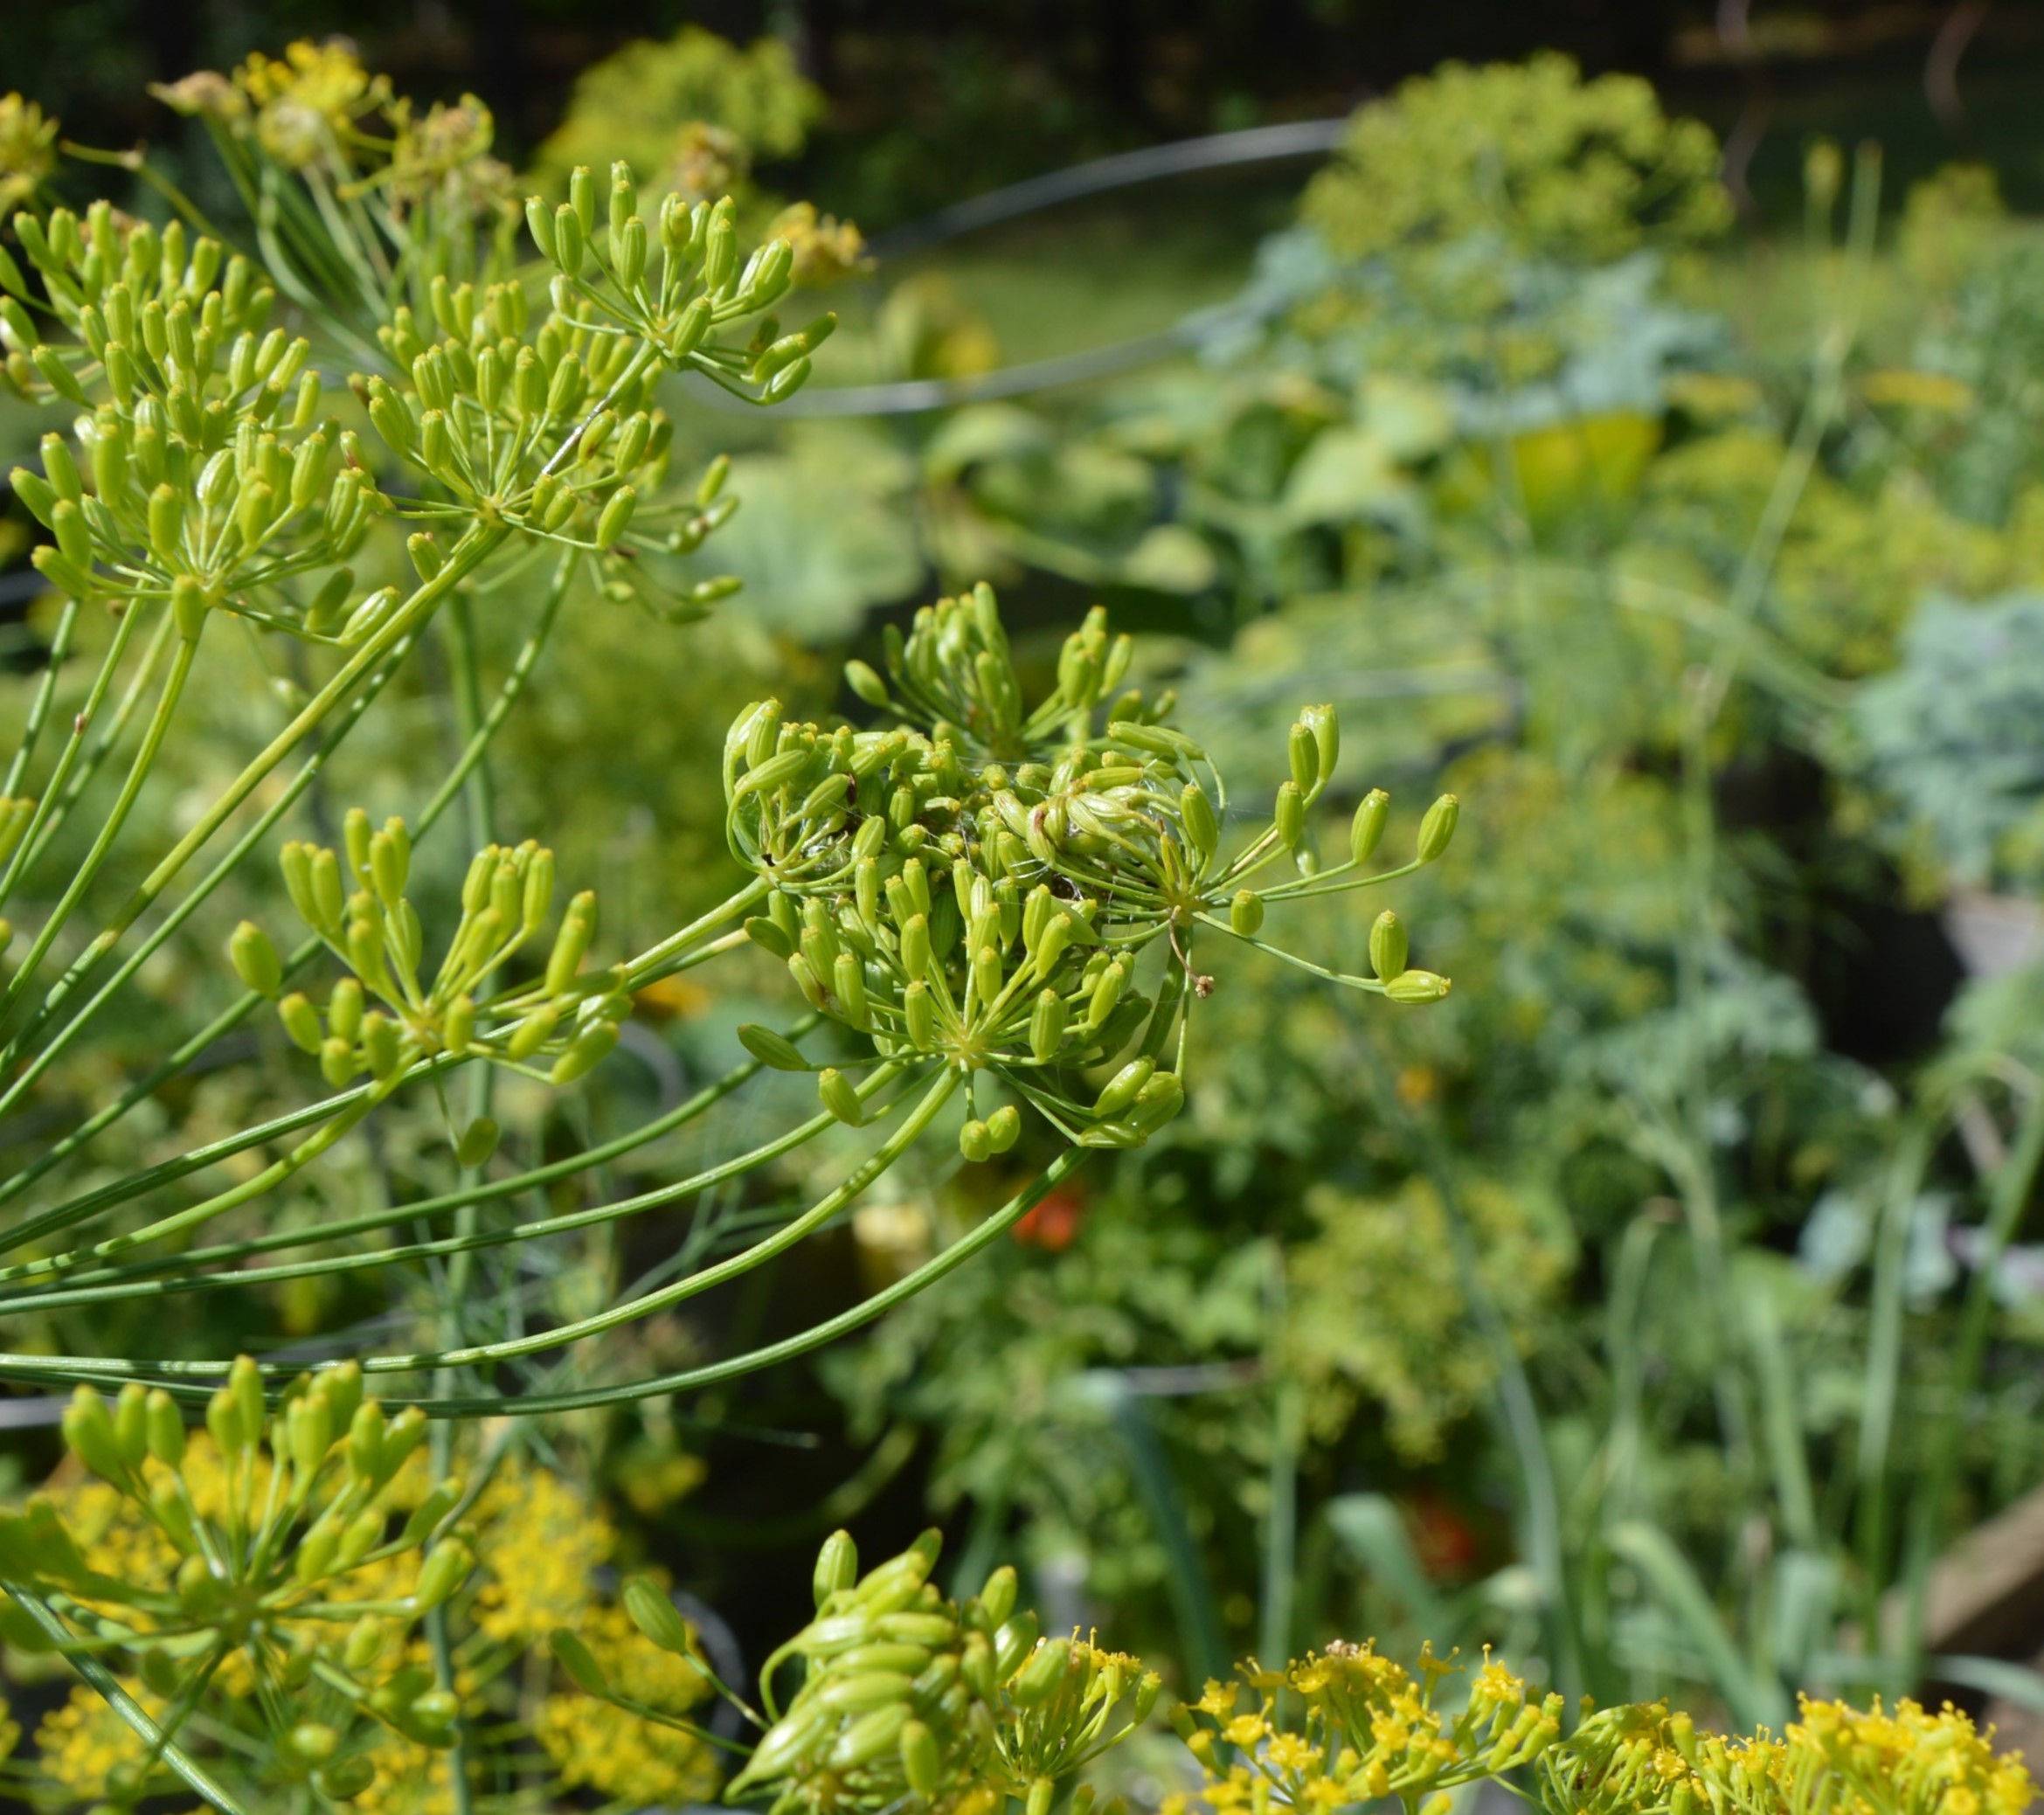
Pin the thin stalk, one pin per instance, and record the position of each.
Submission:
(46, 802)
(479, 1193)
(475, 547)
(479, 818)
(221, 1024)
(912, 1128)
(138, 772)
(2010, 1196)
(38, 712)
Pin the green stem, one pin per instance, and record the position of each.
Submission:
(38, 712)
(138, 771)
(221, 1024)
(2010, 1196)
(46, 803)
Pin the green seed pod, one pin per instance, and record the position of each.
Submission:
(380, 1046)
(1245, 912)
(579, 1662)
(364, 1643)
(1003, 1128)
(920, 1763)
(1121, 1089)
(478, 1141)
(867, 684)
(1012, 1641)
(974, 1141)
(765, 934)
(1047, 1025)
(840, 1097)
(309, 1428)
(255, 959)
(532, 1034)
(915, 947)
(837, 1566)
(1158, 1102)
(771, 1049)
(318, 1551)
(808, 981)
(986, 974)
(74, 540)
(616, 517)
(1107, 989)
(539, 224)
(997, 1597)
(920, 1015)
(426, 558)
(1437, 828)
(848, 983)
(657, 1617)
(1417, 987)
(88, 1432)
(337, 1061)
(165, 1426)
(590, 1047)
(568, 241)
(312, 1742)
(447, 1565)
(1387, 946)
(1327, 734)
(571, 943)
(458, 1025)
(1303, 752)
(1367, 828)
(300, 1022)
(1037, 1679)
(1196, 814)
(1290, 816)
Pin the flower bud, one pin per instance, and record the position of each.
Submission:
(1387, 946)
(88, 1432)
(1417, 987)
(255, 959)
(974, 1141)
(579, 1662)
(656, 1616)
(1367, 828)
(808, 982)
(571, 943)
(1290, 816)
(1121, 1089)
(478, 1141)
(616, 517)
(866, 682)
(839, 1097)
(1437, 828)
(919, 1014)
(1048, 1021)
(337, 1061)
(590, 1047)
(1003, 1127)
(530, 1034)
(920, 1764)
(771, 1049)
(300, 1022)
(447, 1565)
(364, 1643)
(986, 974)
(1157, 1102)
(1304, 751)
(848, 983)
(165, 1428)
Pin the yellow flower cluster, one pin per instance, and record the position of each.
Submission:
(541, 1547)
(85, 1749)
(1836, 1760)
(600, 1746)
(27, 150)
(1370, 1728)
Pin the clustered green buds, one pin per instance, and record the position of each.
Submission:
(354, 901)
(977, 883)
(909, 1699)
(205, 472)
(294, 1557)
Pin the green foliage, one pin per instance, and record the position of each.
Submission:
(696, 106)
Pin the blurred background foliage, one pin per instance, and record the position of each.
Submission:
(1673, 496)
